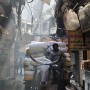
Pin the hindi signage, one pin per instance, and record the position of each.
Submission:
(75, 40)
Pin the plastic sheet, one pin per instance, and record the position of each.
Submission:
(39, 48)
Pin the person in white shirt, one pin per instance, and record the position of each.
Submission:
(56, 54)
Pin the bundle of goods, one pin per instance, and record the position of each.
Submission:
(71, 22)
(28, 69)
(28, 66)
(84, 13)
(43, 60)
(67, 63)
(28, 75)
(38, 49)
(85, 64)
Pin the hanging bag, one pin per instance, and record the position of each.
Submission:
(84, 16)
(71, 20)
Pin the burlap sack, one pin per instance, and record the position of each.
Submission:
(71, 20)
(84, 16)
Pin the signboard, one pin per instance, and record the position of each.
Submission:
(75, 40)
(86, 27)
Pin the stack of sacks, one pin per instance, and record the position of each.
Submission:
(28, 69)
(28, 66)
(68, 61)
(67, 66)
(38, 49)
(28, 75)
(42, 60)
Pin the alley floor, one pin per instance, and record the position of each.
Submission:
(18, 84)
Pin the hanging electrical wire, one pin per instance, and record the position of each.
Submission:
(29, 1)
